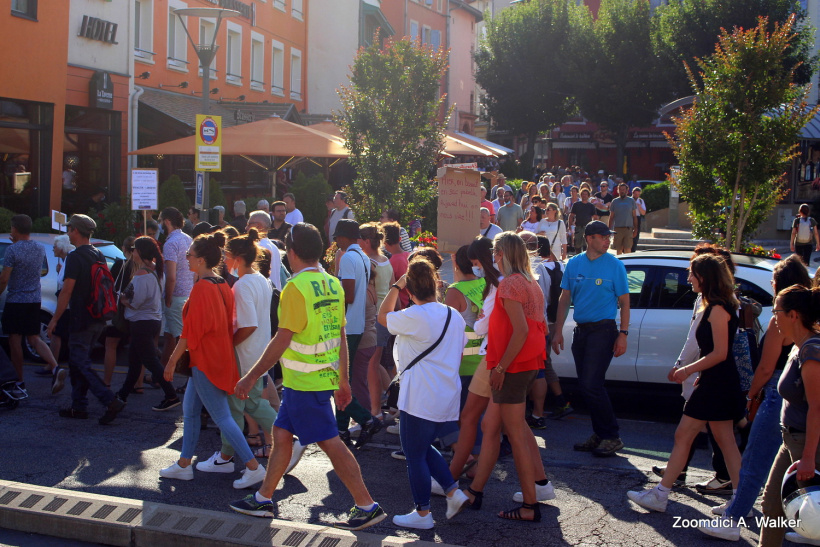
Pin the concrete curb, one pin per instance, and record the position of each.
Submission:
(133, 523)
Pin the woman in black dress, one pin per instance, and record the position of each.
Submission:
(717, 398)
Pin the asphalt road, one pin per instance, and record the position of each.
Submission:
(124, 459)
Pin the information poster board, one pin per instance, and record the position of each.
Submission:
(208, 143)
(459, 201)
(199, 190)
(144, 189)
(59, 221)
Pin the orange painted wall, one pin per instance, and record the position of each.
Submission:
(271, 23)
(37, 69)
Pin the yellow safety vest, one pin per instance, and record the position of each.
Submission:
(473, 291)
(311, 362)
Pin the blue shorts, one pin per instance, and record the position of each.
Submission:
(308, 415)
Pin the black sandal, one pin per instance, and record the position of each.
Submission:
(478, 498)
(263, 451)
(515, 514)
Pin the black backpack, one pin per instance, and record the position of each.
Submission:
(556, 275)
(274, 308)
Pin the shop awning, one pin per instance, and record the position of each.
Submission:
(472, 139)
(183, 108)
(268, 137)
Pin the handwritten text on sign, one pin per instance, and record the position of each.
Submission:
(459, 201)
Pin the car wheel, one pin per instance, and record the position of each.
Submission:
(29, 352)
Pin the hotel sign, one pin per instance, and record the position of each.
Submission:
(98, 29)
(248, 11)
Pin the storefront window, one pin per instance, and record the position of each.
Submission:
(91, 159)
(25, 153)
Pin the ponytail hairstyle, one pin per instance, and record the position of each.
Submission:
(245, 247)
(422, 278)
(148, 248)
(264, 261)
(805, 301)
(372, 232)
(209, 248)
(481, 249)
(462, 260)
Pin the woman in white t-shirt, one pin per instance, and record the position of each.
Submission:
(555, 229)
(533, 222)
(252, 332)
(430, 390)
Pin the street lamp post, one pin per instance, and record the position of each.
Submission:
(205, 53)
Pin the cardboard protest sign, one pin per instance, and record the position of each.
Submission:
(459, 201)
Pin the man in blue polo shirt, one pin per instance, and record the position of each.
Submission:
(595, 282)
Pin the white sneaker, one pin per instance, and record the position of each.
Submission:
(723, 529)
(413, 520)
(435, 488)
(298, 451)
(394, 429)
(794, 537)
(177, 472)
(456, 503)
(721, 509)
(651, 499)
(250, 478)
(215, 464)
(542, 493)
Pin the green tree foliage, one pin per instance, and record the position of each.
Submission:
(116, 221)
(735, 143)
(5, 220)
(390, 122)
(522, 64)
(688, 30)
(215, 194)
(311, 193)
(172, 194)
(656, 196)
(619, 85)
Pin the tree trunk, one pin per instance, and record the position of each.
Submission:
(620, 147)
(527, 159)
(730, 215)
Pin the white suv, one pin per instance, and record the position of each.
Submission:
(661, 302)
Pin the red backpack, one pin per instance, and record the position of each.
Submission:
(102, 304)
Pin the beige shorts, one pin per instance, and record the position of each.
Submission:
(623, 239)
(480, 384)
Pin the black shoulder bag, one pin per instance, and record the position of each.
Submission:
(395, 385)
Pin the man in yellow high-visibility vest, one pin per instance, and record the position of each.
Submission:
(311, 346)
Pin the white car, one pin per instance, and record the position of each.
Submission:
(48, 278)
(661, 302)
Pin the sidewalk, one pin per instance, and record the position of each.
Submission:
(133, 523)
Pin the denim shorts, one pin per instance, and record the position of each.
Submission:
(173, 315)
(308, 415)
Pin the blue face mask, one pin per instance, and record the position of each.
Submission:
(478, 271)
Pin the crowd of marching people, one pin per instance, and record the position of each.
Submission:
(282, 349)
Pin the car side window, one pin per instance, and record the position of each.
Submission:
(674, 291)
(636, 278)
(751, 290)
